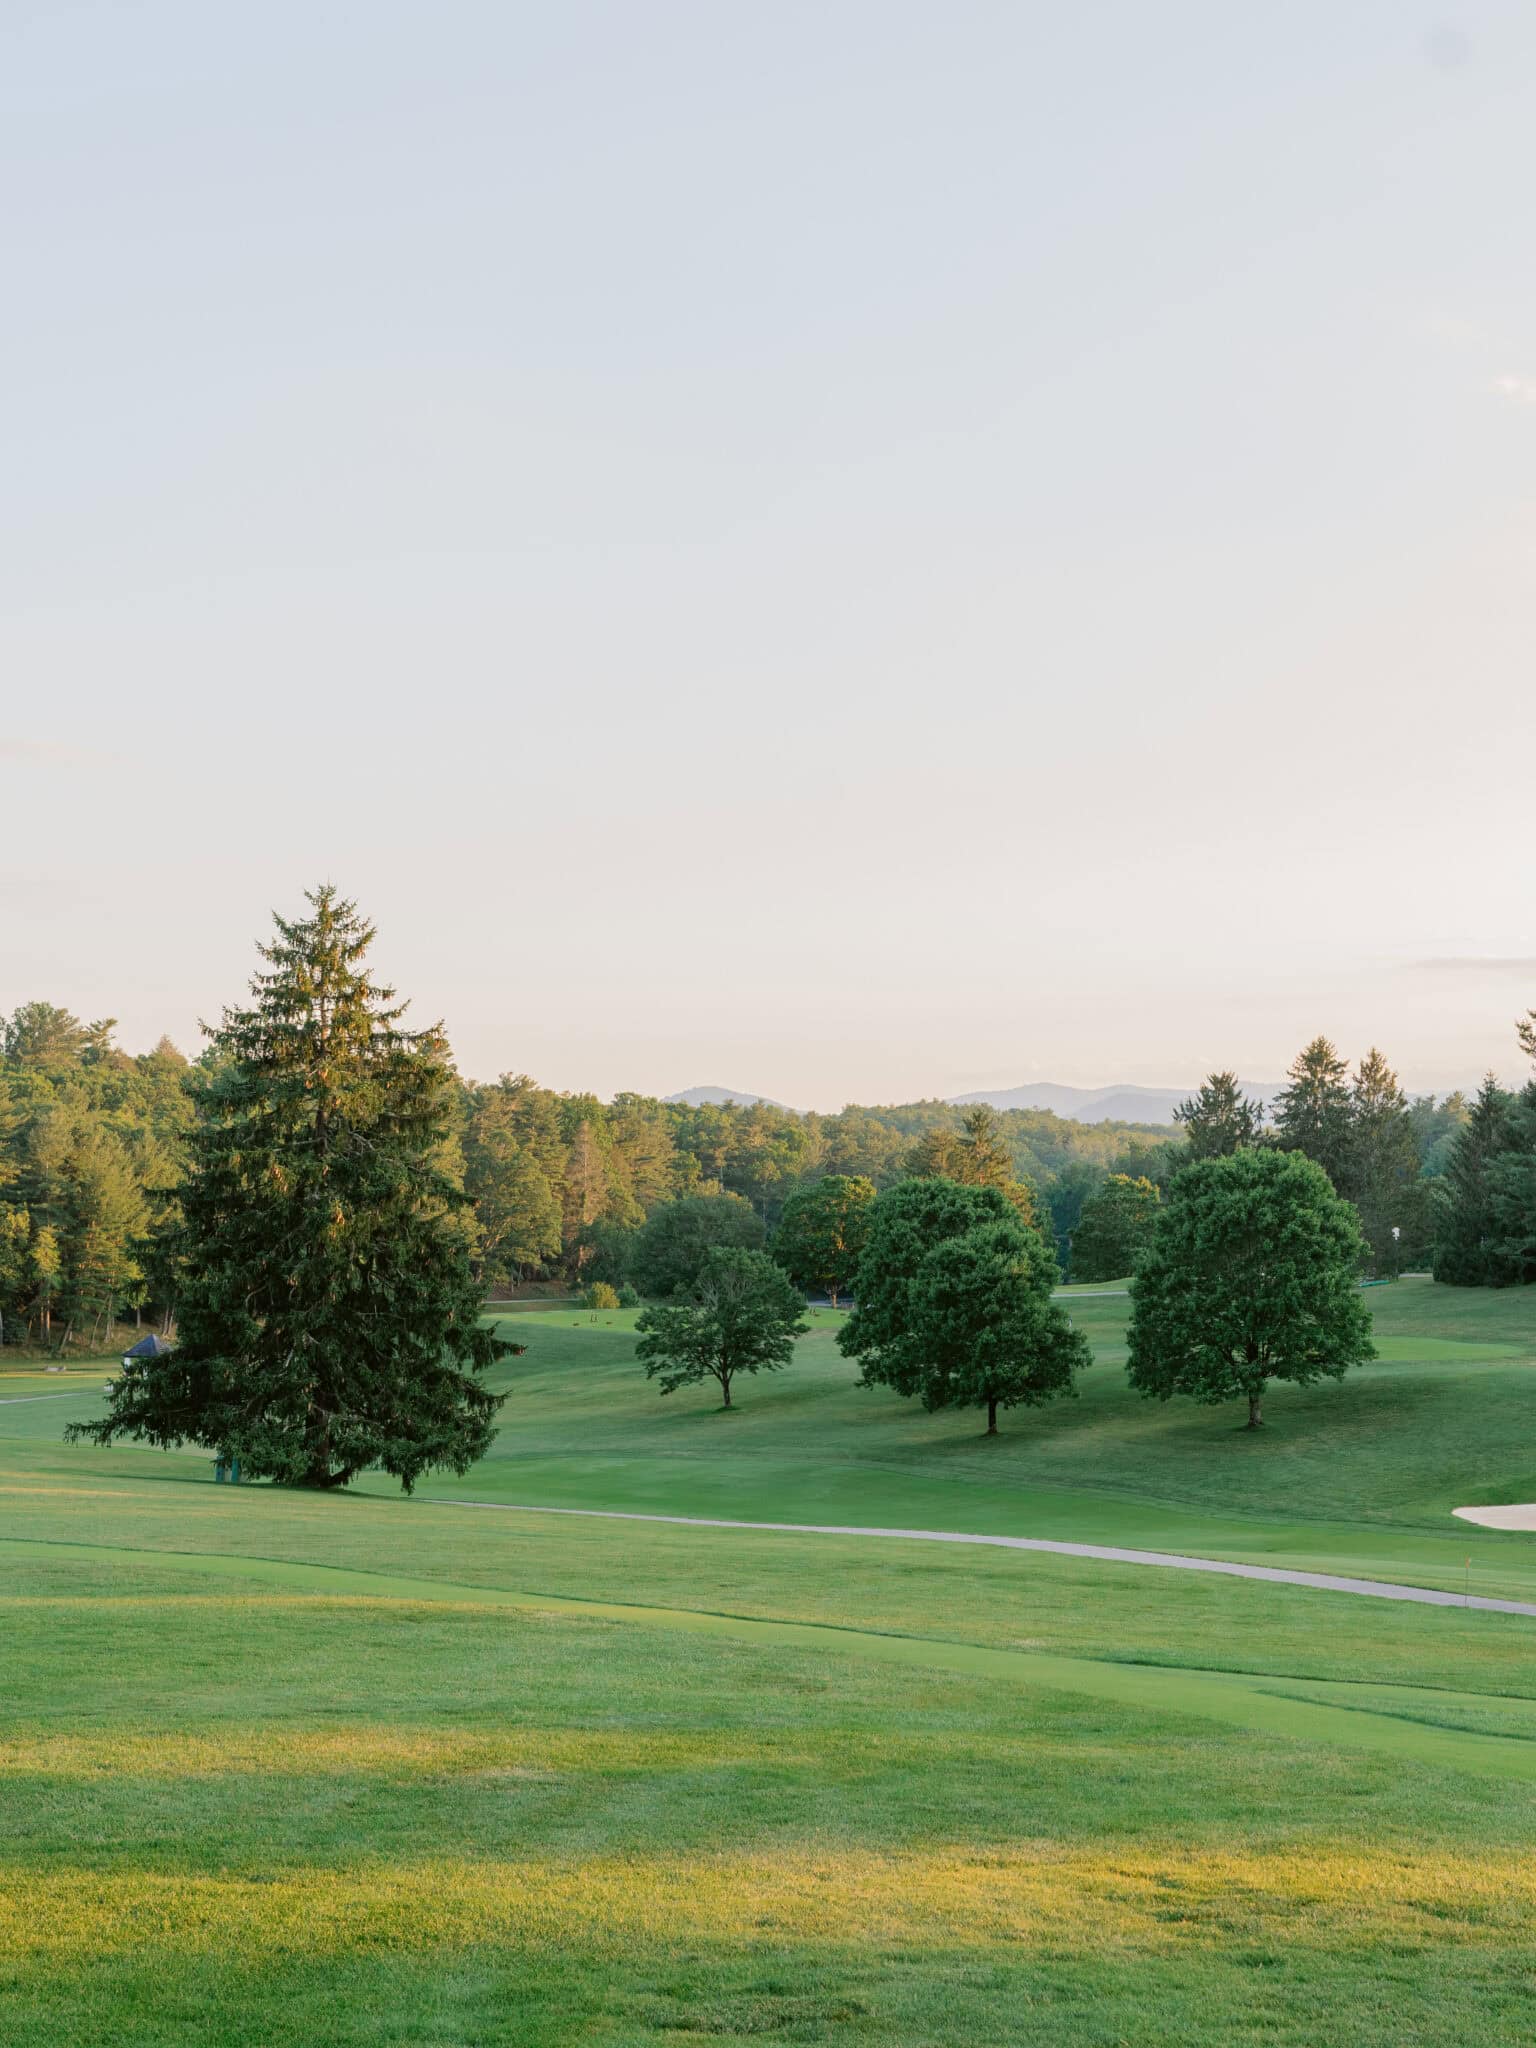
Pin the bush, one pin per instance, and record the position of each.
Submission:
(601, 1295)
(629, 1297)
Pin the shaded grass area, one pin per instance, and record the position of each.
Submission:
(1360, 1476)
(293, 1817)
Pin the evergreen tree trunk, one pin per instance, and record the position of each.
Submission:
(991, 1416)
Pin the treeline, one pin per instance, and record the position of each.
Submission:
(92, 1148)
(563, 1183)
(1485, 1210)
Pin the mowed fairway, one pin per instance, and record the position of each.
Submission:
(289, 1769)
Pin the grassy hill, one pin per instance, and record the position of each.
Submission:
(280, 1768)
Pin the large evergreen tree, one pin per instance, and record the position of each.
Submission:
(1384, 1179)
(1514, 1174)
(1218, 1118)
(1314, 1112)
(328, 1320)
(1468, 1251)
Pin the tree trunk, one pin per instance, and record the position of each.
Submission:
(832, 1292)
(1255, 1410)
(991, 1417)
(725, 1387)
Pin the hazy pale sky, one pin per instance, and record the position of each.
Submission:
(851, 550)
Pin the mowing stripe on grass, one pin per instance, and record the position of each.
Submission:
(1239, 1699)
(1106, 1553)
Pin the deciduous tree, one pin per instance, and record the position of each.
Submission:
(670, 1251)
(982, 1321)
(743, 1317)
(906, 1223)
(1114, 1229)
(821, 1233)
(1250, 1277)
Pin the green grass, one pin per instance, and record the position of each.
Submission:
(281, 1769)
(1359, 1477)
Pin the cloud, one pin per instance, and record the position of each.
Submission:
(13, 748)
(1521, 389)
(1478, 963)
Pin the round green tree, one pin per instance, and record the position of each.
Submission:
(954, 1302)
(984, 1324)
(1251, 1276)
(669, 1251)
(906, 1223)
(821, 1234)
(1114, 1228)
(743, 1317)
(328, 1319)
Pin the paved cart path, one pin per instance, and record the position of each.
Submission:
(1375, 1589)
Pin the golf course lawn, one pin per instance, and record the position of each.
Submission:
(282, 1768)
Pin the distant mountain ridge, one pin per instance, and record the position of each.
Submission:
(701, 1098)
(1122, 1102)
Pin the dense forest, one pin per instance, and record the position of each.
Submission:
(92, 1139)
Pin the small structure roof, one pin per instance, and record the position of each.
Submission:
(151, 1346)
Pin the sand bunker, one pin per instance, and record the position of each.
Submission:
(1523, 1517)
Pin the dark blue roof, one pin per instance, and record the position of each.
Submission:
(148, 1347)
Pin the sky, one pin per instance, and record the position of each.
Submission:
(851, 551)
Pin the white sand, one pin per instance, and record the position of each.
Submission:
(1522, 1517)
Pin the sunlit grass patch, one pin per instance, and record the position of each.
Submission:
(1148, 1899)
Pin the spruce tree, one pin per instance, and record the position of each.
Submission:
(328, 1319)
(1314, 1113)
(1219, 1118)
(1466, 1223)
(1384, 1177)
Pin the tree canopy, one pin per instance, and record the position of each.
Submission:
(1250, 1277)
(905, 1225)
(953, 1302)
(982, 1323)
(669, 1254)
(329, 1319)
(743, 1317)
(1114, 1228)
(821, 1234)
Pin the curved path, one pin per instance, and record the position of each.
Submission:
(1376, 1589)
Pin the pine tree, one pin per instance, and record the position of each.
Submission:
(1219, 1118)
(1466, 1222)
(1314, 1113)
(329, 1320)
(1384, 1182)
